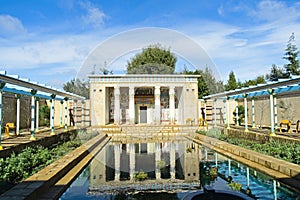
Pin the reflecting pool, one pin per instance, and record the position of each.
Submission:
(169, 170)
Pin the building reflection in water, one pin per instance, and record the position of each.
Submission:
(162, 161)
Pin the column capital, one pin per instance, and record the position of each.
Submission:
(131, 90)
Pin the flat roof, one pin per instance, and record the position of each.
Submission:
(143, 75)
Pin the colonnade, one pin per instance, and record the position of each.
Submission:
(157, 104)
(273, 111)
(34, 113)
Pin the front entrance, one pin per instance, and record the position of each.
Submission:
(143, 114)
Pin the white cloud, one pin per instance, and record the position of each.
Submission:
(94, 15)
(10, 26)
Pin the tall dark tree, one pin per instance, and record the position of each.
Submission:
(290, 55)
(231, 83)
(77, 86)
(257, 80)
(275, 73)
(152, 60)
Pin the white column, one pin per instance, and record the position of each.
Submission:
(18, 114)
(172, 104)
(82, 113)
(275, 111)
(66, 114)
(131, 105)
(32, 137)
(246, 112)
(172, 160)
(2, 85)
(52, 117)
(37, 115)
(216, 159)
(227, 112)
(75, 112)
(61, 113)
(157, 104)
(215, 112)
(253, 112)
(224, 113)
(157, 161)
(117, 162)
(205, 120)
(236, 112)
(271, 112)
(131, 160)
(117, 105)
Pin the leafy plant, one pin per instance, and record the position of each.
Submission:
(140, 176)
(235, 186)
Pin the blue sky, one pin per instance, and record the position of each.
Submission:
(48, 41)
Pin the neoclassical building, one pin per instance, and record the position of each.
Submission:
(143, 99)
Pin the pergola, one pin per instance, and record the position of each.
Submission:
(282, 87)
(20, 86)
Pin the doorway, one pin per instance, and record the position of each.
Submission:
(143, 114)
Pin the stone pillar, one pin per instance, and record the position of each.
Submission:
(1, 87)
(66, 113)
(253, 112)
(157, 104)
(205, 120)
(172, 104)
(275, 111)
(33, 92)
(75, 112)
(216, 159)
(117, 105)
(61, 113)
(172, 160)
(157, 161)
(82, 113)
(18, 114)
(271, 92)
(246, 112)
(117, 162)
(37, 114)
(52, 114)
(215, 112)
(131, 160)
(227, 112)
(237, 112)
(131, 105)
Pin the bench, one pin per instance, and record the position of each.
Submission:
(8, 127)
(288, 124)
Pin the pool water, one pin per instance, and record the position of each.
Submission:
(169, 170)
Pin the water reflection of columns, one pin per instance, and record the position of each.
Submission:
(131, 160)
(229, 167)
(216, 159)
(157, 161)
(275, 189)
(248, 178)
(172, 160)
(117, 161)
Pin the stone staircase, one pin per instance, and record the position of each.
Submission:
(148, 131)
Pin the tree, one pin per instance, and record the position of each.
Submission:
(154, 56)
(77, 86)
(207, 84)
(291, 54)
(275, 73)
(232, 83)
(257, 80)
